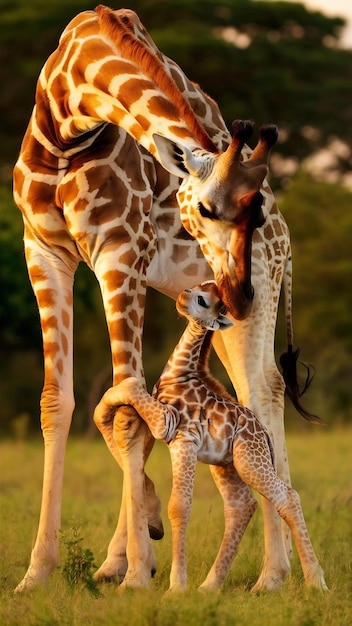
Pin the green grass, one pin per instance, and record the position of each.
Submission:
(321, 471)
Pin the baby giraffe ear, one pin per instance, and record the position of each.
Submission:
(221, 323)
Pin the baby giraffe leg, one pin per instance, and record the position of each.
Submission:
(254, 463)
(184, 460)
(291, 512)
(239, 506)
(162, 419)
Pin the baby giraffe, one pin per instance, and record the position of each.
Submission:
(198, 419)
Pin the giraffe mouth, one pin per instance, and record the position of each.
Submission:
(237, 297)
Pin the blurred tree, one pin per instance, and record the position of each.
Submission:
(269, 61)
(320, 220)
(19, 319)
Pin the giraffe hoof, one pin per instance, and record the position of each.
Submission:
(108, 578)
(156, 533)
(269, 583)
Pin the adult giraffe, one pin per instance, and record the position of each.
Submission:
(109, 110)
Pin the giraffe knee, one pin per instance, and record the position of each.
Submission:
(104, 413)
(178, 510)
(251, 504)
(246, 505)
(57, 407)
(292, 504)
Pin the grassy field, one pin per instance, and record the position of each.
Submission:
(321, 470)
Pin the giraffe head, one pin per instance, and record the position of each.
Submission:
(221, 206)
(203, 305)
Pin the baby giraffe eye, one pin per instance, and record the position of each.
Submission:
(202, 302)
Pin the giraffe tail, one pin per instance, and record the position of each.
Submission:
(288, 362)
(289, 359)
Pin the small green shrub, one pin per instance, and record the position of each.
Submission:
(79, 563)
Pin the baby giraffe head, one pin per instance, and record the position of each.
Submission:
(203, 305)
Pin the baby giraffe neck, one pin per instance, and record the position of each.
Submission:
(189, 358)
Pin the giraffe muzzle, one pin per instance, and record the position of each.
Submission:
(237, 297)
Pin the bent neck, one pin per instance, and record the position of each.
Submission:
(190, 356)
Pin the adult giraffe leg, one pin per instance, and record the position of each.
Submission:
(131, 434)
(52, 279)
(123, 291)
(278, 549)
(115, 565)
(239, 507)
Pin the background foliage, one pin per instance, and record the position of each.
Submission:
(269, 61)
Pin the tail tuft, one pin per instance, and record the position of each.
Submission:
(288, 362)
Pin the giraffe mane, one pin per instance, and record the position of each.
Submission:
(120, 31)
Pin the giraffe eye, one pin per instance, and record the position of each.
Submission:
(202, 302)
(206, 213)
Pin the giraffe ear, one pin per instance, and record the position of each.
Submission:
(176, 158)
